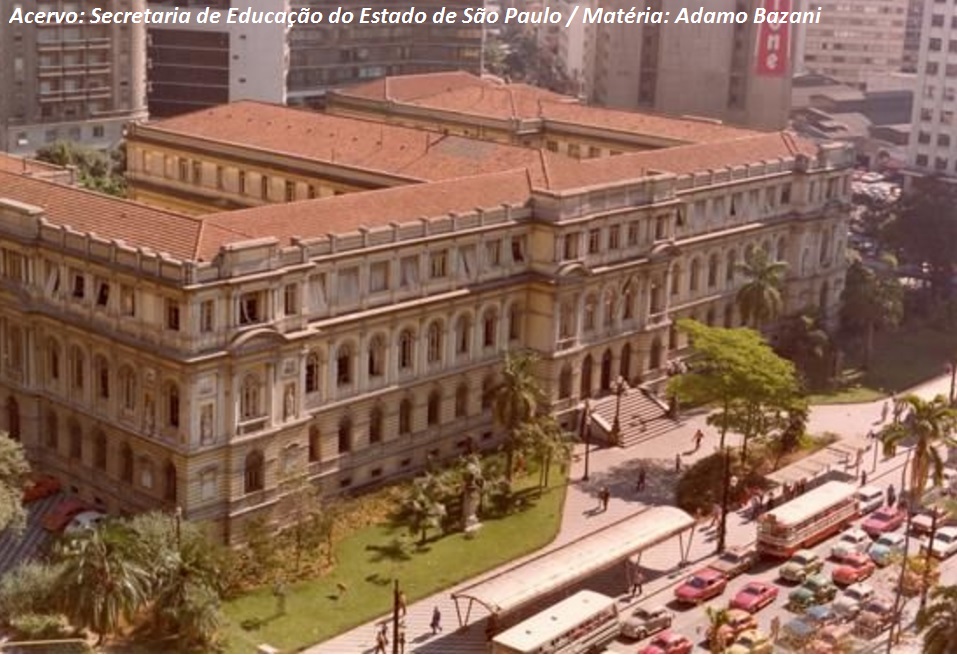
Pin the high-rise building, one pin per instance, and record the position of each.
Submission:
(735, 72)
(933, 140)
(857, 38)
(77, 82)
(915, 17)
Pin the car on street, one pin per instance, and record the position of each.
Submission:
(700, 586)
(886, 519)
(63, 513)
(869, 498)
(923, 523)
(735, 561)
(848, 604)
(802, 564)
(854, 568)
(738, 621)
(887, 548)
(816, 590)
(944, 544)
(645, 621)
(876, 616)
(752, 641)
(833, 639)
(39, 487)
(795, 635)
(854, 540)
(754, 596)
(669, 642)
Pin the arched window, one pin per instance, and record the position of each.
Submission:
(249, 398)
(489, 328)
(606, 362)
(730, 266)
(344, 365)
(588, 322)
(463, 335)
(146, 473)
(312, 373)
(514, 322)
(376, 356)
(126, 464)
(345, 435)
(172, 405)
(78, 374)
(52, 437)
(99, 450)
(695, 276)
(587, 366)
(170, 483)
(406, 350)
(488, 391)
(565, 382)
(76, 440)
(254, 472)
(766, 247)
(566, 324)
(13, 418)
(128, 388)
(657, 302)
(53, 353)
(315, 444)
(462, 401)
(624, 367)
(434, 335)
(654, 360)
(628, 301)
(610, 309)
(676, 280)
(781, 253)
(101, 370)
(434, 413)
(405, 416)
(713, 271)
(375, 425)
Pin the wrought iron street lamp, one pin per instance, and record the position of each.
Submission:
(585, 435)
(619, 388)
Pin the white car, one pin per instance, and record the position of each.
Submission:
(850, 541)
(84, 521)
(869, 499)
(848, 604)
(944, 544)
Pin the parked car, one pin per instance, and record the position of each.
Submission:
(796, 634)
(735, 561)
(924, 522)
(848, 604)
(701, 585)
(801, 565)
(738, 621)
(854, 540)
(83, 521)
(39, 487)
(669, 642)
(869, 499)
(886, 519)
(63, 513)
(875, 617)
(854, 568)
(833, 639)
(645, 621)
(816, 590)
(754, 596)
(752, 641)
(887, 548)
(944, 544)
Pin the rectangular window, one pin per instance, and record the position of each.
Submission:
(409, 272)
(570, 246)
(219, 177)
(438, 265)
(574, 150)
(613, 237)
(264, 187)
(786, 194)
(183, 170)
(493, 253)
(172, 315)
(349, 285)
(290, 191)
(633, 233)
(127, 300)
(518, 249)
(379, 277)
(250, 308)
(594, 242)
(102, 294)
(290, 299)
(594, 152)
(79, 286)
(197, 172)
(242, 181)
(206, 322)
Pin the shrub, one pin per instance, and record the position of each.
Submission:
(701, 486)
(40, 626)
(28, 589)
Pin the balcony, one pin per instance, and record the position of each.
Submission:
(250, 426)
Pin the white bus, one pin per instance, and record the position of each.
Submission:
(808, 519)
(582, 623)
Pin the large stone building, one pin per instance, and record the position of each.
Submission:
(158, 359)
(69, 82)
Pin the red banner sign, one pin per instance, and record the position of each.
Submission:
(774, 43)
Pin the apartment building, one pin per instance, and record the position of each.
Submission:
(154, 359)
(933, 142)
(70, 82)
(576, 46)
(858, 38)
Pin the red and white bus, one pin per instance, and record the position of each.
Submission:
(808, 519)
(582, 623)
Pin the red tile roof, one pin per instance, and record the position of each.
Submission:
(404, 88)
(405, 152)
(13, 164)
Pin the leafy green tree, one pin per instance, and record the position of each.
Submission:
(516, 400)
(13, 473)
(938, 621)
(801, 338)
(931, 424)
(545, 440)
(423, 508)
(103, 582)
(717, 618)
(96, 170)
(517, 55)
(872, 300)
(760, 297)
(28, 589)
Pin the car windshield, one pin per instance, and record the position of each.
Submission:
(731, 557)
(751, 590)
(802, 560)
(944, 538)
(642, 613)
(855, 594)
(697, 582)
(883, 516)
(887, 540)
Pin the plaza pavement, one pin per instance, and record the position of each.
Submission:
(616, 468)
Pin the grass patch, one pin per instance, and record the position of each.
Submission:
(372, 557)
(901, 360)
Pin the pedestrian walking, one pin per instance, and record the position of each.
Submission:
(640, 484)
(775, 628)
(863, 478)
(603, 497)
(698, 437)
(755, 507)
(402, 604)
(637, 582)
(885, 410)
(400, 638)
(382, 639)
(436, 624)
(770, 503)
(891, 495)
(677, 462)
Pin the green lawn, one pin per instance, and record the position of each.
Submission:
(370, 559)
(901, 360)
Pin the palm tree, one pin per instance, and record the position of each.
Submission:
(717, 618)
(515, 400)
(545, 438)
(760, 296)
(102, 583)
(939, 621)
(801, 339)
(931, 423)
(872, 300)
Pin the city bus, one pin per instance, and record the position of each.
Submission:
(807, 520)
(582, 623)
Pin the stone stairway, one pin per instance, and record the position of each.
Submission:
(642, 416)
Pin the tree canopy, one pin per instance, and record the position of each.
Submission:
(97, 170)
(13, 472)
(759, 298)
(873, 299)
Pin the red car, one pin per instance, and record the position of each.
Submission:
(701, 585)
(754, 596)
(886, 519)
(39, 487)
(669, 642)
(63, 513)
(854, 568)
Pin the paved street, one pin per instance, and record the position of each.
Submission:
(615, 468)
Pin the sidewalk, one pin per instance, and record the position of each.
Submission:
(616, 469)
